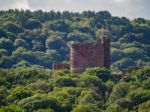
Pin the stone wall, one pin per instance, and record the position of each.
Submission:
(86, 55)
(61, 66)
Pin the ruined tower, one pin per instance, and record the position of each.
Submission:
(84, 55)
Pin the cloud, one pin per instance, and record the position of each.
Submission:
(119, 0)
(128, 8)
(14, 4)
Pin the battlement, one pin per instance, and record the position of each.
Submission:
(79, 45)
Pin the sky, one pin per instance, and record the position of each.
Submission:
(128, 8)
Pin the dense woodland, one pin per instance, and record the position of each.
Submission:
(43, 38)
(30, 42)
(96, 90)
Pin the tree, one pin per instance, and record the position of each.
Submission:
(45, 110)
(64, 81)
(19, 93)
(6, 44)
(119, 91)
(144, 107)
(66, 97)
(102, 73)
(114, 108)
(11, 27)
(6, 62)
(117, 54)
(139, 20)
(78, 37)
(138, 75)
(32, 24)
(90, 97)
(139, 96)
(88, 14)
(3, 52)
(61, 26)
(39, 101)
(2, 32)
(103, 33)
(3, 95)
(41, 85)
(124, 63)
(11, 108)
(22, 63)
(85, 108)
(90, 80)
(100, 18)
(135, 53)
(54, 42)
(20, 43)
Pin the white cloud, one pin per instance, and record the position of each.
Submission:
(128, 8)
(14, 4)
(68, 1)
(119, 0)
(21, 4)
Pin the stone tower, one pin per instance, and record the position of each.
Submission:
(84, 55)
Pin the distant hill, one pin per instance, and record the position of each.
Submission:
(43, 38)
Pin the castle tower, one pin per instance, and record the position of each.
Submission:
(86, 55)
(106, 45)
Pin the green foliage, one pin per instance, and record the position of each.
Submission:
(138, 96)
(30, 42)
(115, 108)
(35, 89)
(11, 27)
(3, 95)
(120, 90)
(117, 54)
(39, 101)
(46, 37)
(64, 81)
(125, 63)
(20, 43)
(89, 80)
(146, 84)
(66, 97)
(32, 24)
(135, 53)
(103, 32)
(19, 93)
(144, 107)
(86, 108)
(2, 32)
(54, 42)
(102, 73)
(6, 44)
(139, 75)
(44, 110)
(3, 52)
(11, 108)
(61, 26)
(90, 97)
(78, 37)
(41, 85)
(22, 63)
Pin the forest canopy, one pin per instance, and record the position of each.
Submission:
(30, 42)
(43, 38)
(35, 89)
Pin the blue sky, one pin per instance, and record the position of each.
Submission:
(129, 8)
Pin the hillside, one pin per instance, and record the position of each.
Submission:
(43, 38)
(95, 90)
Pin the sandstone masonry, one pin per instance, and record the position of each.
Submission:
(84, 55)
